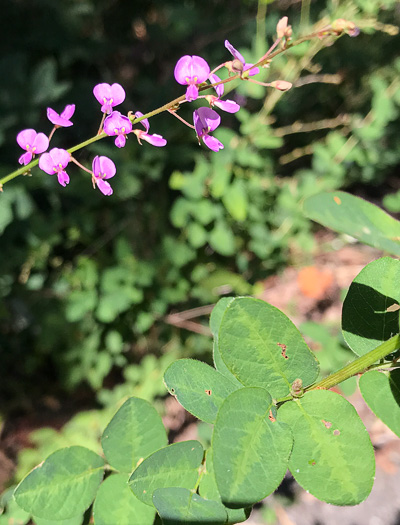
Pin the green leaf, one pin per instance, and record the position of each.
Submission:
(262, 347)
(135, 432)
(222, 239)
(332, 456)
(116, 504)
(366, 222)
(208, 489)
(371, 308)
(198, 387)
(14, 515)
(250, 448)
(235, 200)
(215, 322)
(173, 466)
(179, 506)
(63, 486)
(381, 391)
(76, 520)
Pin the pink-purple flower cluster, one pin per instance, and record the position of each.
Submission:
(191, 71)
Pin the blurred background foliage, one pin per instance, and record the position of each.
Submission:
(88, 283)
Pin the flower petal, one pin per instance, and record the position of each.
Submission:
(200, 69)
(60, 156)
(191, 93)
(144, 122)
(219, 89)
(102, 91)
(68, 111)
(155, 140)
(106, 168)
(234, 52)
(63, 178)
(251, 71)
(120, 141)
(41, 143)
(25, 158)
(26, 138)
(104, 187)
(227, 105)
(182, 69)
(46, 163)
(212, 143)
(117, 94)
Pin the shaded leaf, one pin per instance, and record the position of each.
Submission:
(381, 391)
(370, 311)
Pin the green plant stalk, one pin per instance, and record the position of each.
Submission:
(358, 366)
(25, 170)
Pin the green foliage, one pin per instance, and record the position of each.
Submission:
(331, 444)
(261, 346)
(381, 392)
(371, 308)
(75, 475)
(366, 222)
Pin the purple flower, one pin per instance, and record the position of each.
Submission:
(226, 105)
(207, 120)
(191, 70)
(119, 125)
(219, 89)
(33, 143)
(103, 168)
(239, 65)
(109, 96)
(55, 161)
(155, 140)
(63, 119)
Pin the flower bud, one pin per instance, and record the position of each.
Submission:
(282, 28)
(282, 85)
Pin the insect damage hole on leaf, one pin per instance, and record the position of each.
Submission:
(327, 424)
(336, 432)
(337, 200)
(271, 417)
(283, 347)
(208, 392)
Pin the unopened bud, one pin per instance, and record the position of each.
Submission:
(345, 26)
(282, 28)
(237, 65)
(282, 85)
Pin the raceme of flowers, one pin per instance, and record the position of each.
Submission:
(191, 71)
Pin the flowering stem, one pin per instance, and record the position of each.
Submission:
(52, 133)
(177, 101)
(73, 159)
(173, 112)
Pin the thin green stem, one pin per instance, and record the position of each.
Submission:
(359, 365)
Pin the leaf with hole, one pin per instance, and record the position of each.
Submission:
(250, 448)
(198, 387)
(332, 455)
(261, 347)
